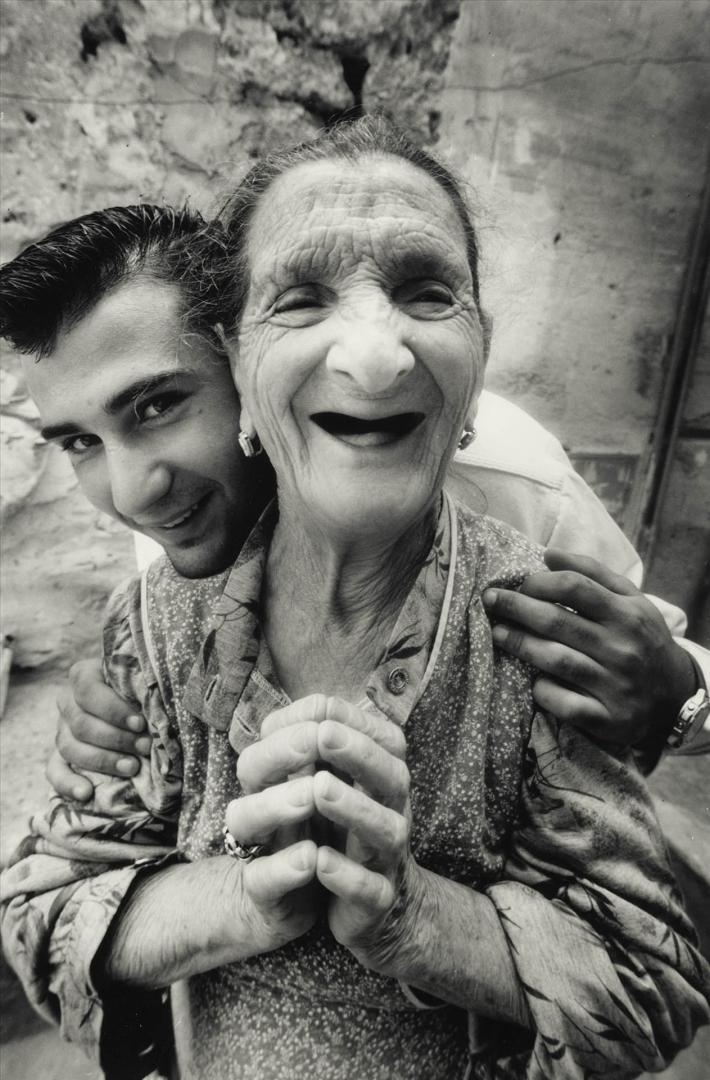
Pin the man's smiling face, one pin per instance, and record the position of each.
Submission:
(148, 415)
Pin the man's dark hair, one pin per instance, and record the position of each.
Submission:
(351, 141)
(56, 281)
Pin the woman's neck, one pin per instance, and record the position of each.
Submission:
(329, 604)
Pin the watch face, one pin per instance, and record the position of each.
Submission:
(691, 720)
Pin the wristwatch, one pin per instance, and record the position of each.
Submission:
(691, 718)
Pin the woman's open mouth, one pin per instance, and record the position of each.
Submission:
(370, 431)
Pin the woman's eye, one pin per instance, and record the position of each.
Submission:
(75, 445)
(298, 299)
(432, 296)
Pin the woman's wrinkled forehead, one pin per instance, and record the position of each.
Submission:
(319, 212)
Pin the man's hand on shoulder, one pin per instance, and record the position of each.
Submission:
(607, 660)
(96, 731)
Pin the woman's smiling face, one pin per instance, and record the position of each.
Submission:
(360, 349)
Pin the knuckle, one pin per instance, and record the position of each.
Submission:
(245, 767)
(302, 741)
(270, 723)
(402, 780)
(65, 701)
(233, 815)
(569, 582)
(398, 741)
(383, 893)
(567, 667)
(517, 642)
(75, 673)
(399, 833)
(80, 726)
(557, 702)
(627, 660)
(52, 769)
(319, 706)
(506, 601)
(558, 622)
(634, 619)
(80, 674)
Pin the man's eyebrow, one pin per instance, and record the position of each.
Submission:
(116, 404)
(141, 387)
(54, 431)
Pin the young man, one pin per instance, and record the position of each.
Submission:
(152, 432)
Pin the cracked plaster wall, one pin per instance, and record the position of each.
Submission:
(579, 126)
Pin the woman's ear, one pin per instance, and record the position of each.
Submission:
(229, 347)
(487, 327)
(245, 421)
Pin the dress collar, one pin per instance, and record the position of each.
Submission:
(229, 654)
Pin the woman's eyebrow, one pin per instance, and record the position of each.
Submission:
(422, 264)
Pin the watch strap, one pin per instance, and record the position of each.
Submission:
(691, 718)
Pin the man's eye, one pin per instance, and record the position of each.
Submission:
(156, 407)
(75, 445)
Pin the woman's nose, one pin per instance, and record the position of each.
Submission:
(372, 354)
(138, 481)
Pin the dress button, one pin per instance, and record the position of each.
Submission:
(397, 680)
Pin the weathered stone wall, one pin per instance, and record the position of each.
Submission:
(581, 128)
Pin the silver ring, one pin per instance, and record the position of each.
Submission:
(239, 851)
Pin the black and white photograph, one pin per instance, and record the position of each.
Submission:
(355, 564)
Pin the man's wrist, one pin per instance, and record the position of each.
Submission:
(691, 717)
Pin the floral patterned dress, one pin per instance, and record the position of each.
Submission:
(557, 832)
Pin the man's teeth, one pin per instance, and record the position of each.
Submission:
(179, 521)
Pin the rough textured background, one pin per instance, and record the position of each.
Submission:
(580, 127)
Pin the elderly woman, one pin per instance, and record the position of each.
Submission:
(430, 878)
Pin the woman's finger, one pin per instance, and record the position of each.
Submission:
(278, 755)
(373, 724)
(254, 819)
(381, 831)
(369, 891)
(382, 775)
(66, 782)
(319, 708)
(310, 709)
(270, 877)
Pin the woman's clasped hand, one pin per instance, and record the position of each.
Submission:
(326, 788)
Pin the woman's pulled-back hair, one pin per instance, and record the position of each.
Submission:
(351, 140)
